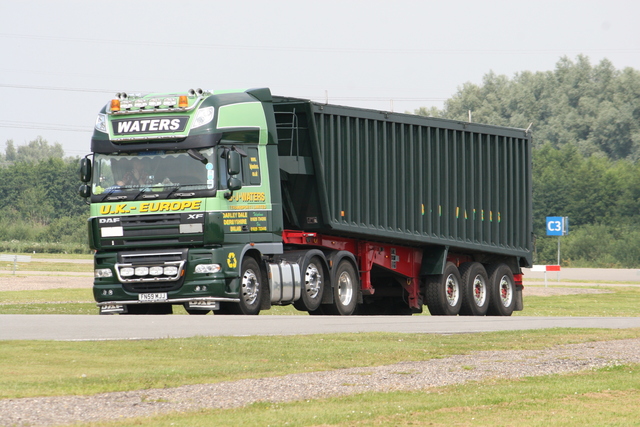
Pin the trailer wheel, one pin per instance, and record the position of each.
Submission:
(345, 290)
(502, 300)
(443, 292)
(312, 288)
(475, 289)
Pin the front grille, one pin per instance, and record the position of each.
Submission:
(151, 271)
(172, 229)
(151, 287)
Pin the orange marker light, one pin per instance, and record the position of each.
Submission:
(183, 102)
(115, 105)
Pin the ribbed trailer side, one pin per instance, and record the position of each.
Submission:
(415, 180)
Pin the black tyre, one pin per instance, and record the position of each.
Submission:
(502, 294)
(250, 287)
(313, 276)
(250, 292)
(346, 286)
(475, 289)
(443, 292)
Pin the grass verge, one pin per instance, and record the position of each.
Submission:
(78, 368)
(607, 396)
(618, 302)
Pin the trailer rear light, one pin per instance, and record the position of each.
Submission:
(183, 102)
(115, 105)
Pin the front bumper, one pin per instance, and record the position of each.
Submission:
(200, 303)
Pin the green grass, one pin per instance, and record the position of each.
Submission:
(620, 301)
(62, 368)
(37, 265)
(608, 396)
(49, 301)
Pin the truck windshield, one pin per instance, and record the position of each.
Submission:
(159, 171)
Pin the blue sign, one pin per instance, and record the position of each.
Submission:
(557, 225)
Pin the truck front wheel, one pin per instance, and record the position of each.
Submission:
(443, 294)
(250, 286)
(250, 292)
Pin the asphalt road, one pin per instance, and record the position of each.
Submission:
(80, 327)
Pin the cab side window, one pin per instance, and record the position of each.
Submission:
(251, 167)
(250, 173)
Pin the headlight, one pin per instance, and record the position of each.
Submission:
(203, 116)
(156, 271)
(142, 271)
(103, 272)
(208, 268)
(126, 271)
(101, 123)
(170, 271)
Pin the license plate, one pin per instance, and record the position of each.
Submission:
(161, 296)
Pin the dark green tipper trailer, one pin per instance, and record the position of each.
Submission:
(333, 209)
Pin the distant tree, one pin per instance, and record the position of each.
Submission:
(596, 108)
(34, 151)
(10, 151)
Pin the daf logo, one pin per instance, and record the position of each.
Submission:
(195, 216)
(108, 220)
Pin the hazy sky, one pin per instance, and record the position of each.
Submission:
(61, 61)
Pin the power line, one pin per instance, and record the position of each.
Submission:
(43, 126)
(68, 89)
(323, 49)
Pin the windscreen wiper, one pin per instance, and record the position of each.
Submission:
(111, 191)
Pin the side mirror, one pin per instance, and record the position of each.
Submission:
(85, 169)
(234, 183)
(233, 162)
(84, 191)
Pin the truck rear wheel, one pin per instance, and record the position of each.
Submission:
(475, 289)
(345, 290)
(503, 291)
(443, 294)
(313, 275)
